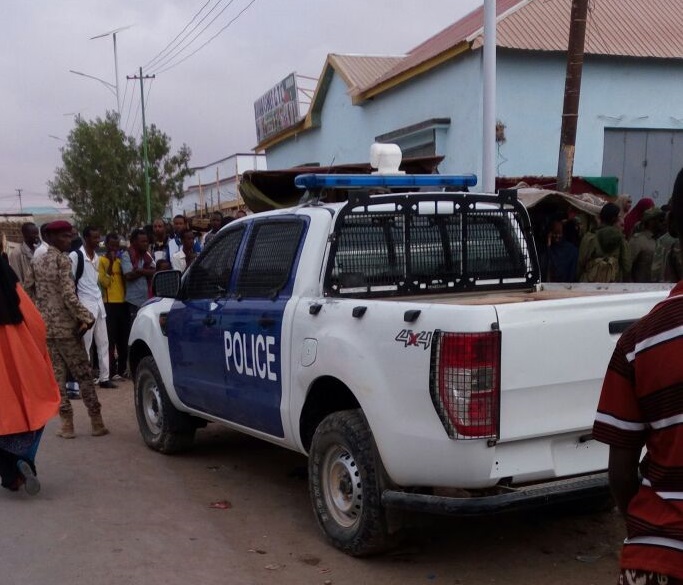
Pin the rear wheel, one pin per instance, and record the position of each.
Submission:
(345, 484)
(163, 427)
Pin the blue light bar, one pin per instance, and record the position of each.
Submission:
(313, 181)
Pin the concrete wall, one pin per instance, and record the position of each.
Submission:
(627, 93)
(615, 93)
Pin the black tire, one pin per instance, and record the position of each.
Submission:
(345, 478)
(162, 426)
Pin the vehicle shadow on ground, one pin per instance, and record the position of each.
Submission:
(577, 545)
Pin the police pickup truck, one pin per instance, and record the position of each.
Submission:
(401, 340)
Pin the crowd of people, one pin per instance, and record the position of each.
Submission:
(62, 294)
(638, 244)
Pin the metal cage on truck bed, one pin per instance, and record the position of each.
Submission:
(424, 243)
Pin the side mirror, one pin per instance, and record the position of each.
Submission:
(166, 284)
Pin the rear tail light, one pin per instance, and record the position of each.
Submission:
(465, 383)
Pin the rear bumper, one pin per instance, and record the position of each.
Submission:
(556, 492)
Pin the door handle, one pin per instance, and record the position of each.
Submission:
(616, 327)
(209, 320)
(266, 322)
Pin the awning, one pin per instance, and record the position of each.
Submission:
(586, 202)
(266, 190)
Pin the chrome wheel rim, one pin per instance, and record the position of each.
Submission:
(151, 404)
(342, 486)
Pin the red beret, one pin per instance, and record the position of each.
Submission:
(58, 226)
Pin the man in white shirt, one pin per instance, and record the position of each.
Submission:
(85, 265)
(42, 248)
(215, 224)
(174, 242)
(182, 259)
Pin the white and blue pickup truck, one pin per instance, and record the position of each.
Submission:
(401, 340)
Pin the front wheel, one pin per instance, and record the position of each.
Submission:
(163, 427)
(345, 484)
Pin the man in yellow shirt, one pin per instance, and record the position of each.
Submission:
(114, 295)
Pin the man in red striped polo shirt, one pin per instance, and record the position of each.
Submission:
(641, 405)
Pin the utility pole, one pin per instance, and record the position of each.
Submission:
(218, 190)
(572, 93)
(145, 160)
(21, 207)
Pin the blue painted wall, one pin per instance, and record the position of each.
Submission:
(616, 93)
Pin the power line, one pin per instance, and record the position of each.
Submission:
(135, 120)
(24, 193)
(156, 57)
(180, 48)
(123, 103)
(130, 107)
(168, 58)
(149, 89)
(240, 13)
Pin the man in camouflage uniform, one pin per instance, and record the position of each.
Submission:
(642, 245)
(666, 262)
(52, 287)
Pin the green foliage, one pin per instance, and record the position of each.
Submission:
(102, 175)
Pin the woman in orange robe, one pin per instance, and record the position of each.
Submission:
(29, 395)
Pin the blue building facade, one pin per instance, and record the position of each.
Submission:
(634, 102)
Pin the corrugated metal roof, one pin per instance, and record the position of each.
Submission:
(361, 70)
(451, 36)
(629, 28)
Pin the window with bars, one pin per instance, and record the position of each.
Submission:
(209, 276)
(426, 246)
(269, 258)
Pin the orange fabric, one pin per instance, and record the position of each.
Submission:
(29, 395)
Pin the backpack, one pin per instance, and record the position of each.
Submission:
(601, 267)
(80, 266)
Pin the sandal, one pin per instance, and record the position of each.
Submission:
(31, 483)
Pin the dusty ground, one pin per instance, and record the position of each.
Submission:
(113, 512)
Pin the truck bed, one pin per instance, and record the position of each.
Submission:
(544, 292)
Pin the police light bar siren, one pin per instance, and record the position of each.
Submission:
(386, 158)
(317, 181)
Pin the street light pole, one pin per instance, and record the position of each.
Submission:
(113, 33)
(116, 73)
(110, 86)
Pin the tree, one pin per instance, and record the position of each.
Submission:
(102, 174)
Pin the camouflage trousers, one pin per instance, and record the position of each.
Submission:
(69, 355)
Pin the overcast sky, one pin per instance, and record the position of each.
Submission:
(206, 101)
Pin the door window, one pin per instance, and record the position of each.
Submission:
(209, 276)
(269, 259)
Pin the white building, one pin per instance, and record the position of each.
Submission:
(214, 187)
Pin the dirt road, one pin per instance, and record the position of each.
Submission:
(113, 512)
